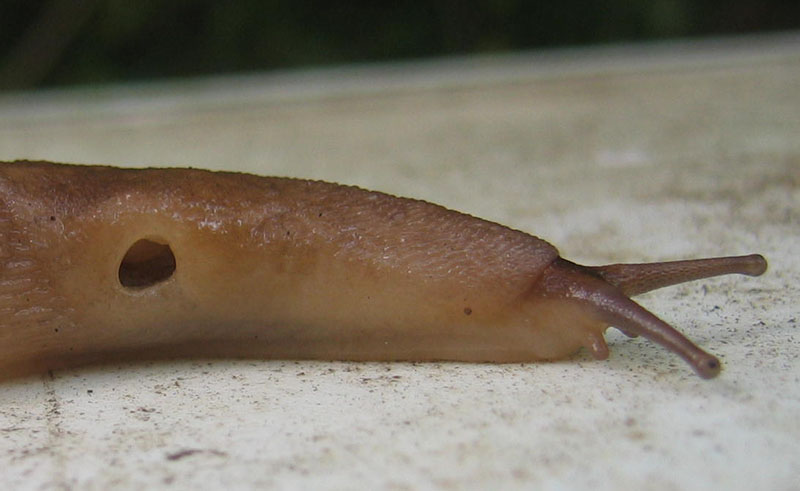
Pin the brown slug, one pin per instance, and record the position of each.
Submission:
(102, 263)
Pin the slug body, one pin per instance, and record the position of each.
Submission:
(101, 263)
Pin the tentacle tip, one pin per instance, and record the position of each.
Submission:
(757, 265)
(707, 366)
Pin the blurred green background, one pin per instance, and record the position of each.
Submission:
(47, 43)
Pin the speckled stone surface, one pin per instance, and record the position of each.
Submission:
(614, 155)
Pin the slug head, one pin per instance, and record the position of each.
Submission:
(603, 291)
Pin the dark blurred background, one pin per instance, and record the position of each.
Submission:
(47, 43)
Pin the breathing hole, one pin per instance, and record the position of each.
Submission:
(146, 263)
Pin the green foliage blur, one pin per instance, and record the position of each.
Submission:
(65, 42)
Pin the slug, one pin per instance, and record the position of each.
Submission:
(101, 263)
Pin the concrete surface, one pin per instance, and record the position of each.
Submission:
(618, 154)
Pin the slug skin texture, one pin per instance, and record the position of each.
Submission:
(102, 263)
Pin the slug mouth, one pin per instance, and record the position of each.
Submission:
(146, 263)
